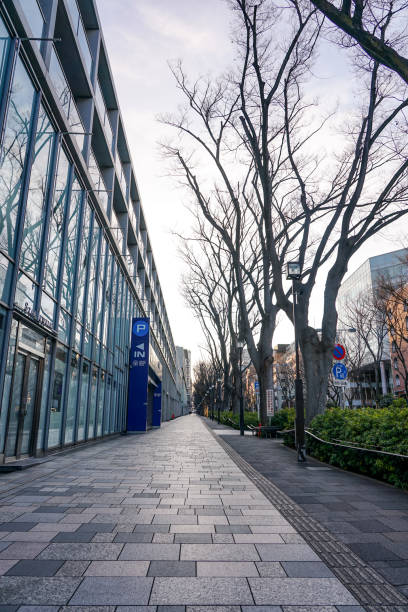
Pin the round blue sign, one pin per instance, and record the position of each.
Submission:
(140, 328)
(339, 371)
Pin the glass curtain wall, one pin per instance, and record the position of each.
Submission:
(65, 273)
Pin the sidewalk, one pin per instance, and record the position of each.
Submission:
(164, 519)
(369, 516)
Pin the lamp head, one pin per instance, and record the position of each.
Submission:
(294, 271)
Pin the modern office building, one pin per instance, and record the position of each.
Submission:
(183, 362)
(76, 262)
(362, 282)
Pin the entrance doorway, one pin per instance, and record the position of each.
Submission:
(24, 405)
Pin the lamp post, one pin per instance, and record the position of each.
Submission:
(294, 274)
(240, 346)
(219, 381)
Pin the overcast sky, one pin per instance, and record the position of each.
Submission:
(141, 37)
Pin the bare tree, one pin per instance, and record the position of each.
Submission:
(366, 23)
(254, 125)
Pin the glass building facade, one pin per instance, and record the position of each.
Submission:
(75, 258)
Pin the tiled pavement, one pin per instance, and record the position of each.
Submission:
(162, 520)
(370, 517)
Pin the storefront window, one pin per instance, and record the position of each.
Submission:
(4, 51)
(72, 398)
(13, 154)
(56, 226)
(64, 326)
(44, 394)
(93, 402)
(86, 368)
(94, 255)
(107, 404)
(101, 398)
(34, 217)
(57, 396)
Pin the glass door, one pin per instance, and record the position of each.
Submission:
(23, 411)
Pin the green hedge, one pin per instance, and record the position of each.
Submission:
(379, 428)
(284, 418)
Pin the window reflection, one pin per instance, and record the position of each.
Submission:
(71, 246)
(13, 154)
(34, 217)
(56, 225)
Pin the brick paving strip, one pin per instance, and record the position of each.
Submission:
(169, 521)
(368, 586)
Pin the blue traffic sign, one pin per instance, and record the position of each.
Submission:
(339, 371)
(256, 385)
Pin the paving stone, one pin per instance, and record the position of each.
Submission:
(134, 537)
(5, 565)
(36, 591)
(196, 591)
(150, 552)
(307, 569)
(212, 608)
(192, 529)
(300, 591)
(232, 529)
(118, 590)
(163, 538)
(171, 608)
(80, 552)
(74, 536)
(350, 609)
(309, 609)
(193, 538)
(373, 552)
(152, 528)
(221, 568)
(258, 538)
(34, 567)
(286, 552)
(3, 546)
(222, 538)
(73, 568)
(88, 609)
(262, 609)
(219, 552)
(117, 568)
(172, 568)
(270, 568)
(38, 609)
(40, 517)
(16, 526)
(21, 550)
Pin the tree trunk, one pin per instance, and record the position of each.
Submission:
(316, 364)
(265, 378)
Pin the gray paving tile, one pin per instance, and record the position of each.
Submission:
(172, 568)
(307, 569)
(38, 609)
(88, 609)
(73, 536)
(286, 552)
(261, 609)
(81, 552)
(300, 591)
(152, 528)
(232, 529)
(117, 568)
(73, 568)
(219, 552)
(171, 608)
(150, 552)
(34, 567)
(192, 538)
(270, 568)
(120, 590)
(36, 591)
(212, 608)
(196, 591)
(22, 550)
(16, 526)
(226, 568)
(125, 537)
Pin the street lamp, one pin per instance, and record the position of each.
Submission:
(294, 274)
(219, 381)
(240, 346)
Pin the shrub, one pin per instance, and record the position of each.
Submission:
(283, 419)
(375, 428)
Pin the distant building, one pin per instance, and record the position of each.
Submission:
(398, 334)
(364, 281)
(183, 377)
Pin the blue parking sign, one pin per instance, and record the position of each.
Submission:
(339, 371)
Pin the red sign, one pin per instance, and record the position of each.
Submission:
(339, 352)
